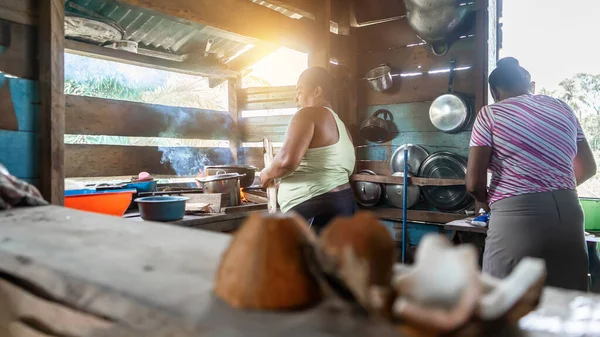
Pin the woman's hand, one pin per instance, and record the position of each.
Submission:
(265, 180)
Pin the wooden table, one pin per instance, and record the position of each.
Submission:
(216, 222)
(156, 279)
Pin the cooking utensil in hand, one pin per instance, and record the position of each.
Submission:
(271, 190)
(450, 112)
(377, 129)
(380, 78)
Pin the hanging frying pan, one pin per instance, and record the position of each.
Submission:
(451, 112)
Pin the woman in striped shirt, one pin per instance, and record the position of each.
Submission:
(537, 153)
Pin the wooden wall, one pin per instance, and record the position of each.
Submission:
(425, 77)
(19, 128)
(95, 116)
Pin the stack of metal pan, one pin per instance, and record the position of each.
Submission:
(446, 165)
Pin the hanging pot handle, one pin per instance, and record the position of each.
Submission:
(451, 76)
(385, 113)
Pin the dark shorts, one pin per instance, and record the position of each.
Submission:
(321, 209)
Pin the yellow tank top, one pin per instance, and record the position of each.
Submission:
(321, 170)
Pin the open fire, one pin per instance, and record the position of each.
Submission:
(243, 196)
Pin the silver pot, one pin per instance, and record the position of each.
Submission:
(380, 78)
(446, 165)
(226, 183)
(395, 193)
(376, 129)
(437, 21)
(366, 193)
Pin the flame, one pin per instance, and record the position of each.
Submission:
(243, 195)
(200, 175)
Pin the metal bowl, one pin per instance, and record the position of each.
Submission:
(446, 165)
(416, 156)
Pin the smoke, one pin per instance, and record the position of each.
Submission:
(189, 161)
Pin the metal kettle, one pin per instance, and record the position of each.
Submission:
(377, 129)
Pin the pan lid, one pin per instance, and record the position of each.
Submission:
(367, 193)
(449, 113)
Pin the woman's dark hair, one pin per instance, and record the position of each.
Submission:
(509, 75)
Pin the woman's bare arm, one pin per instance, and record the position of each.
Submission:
(584, 163)
(479, 161)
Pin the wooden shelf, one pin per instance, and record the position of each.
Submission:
(418, 216)
(412, 180)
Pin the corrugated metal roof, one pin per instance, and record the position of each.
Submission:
(157, 31)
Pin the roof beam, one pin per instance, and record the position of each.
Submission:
(237, 16)
(121, 56)
(306, 8)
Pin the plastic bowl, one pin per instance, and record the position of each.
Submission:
(143, 186)
(162, 208)
(111, 202)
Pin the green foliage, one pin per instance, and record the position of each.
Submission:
(103, 87)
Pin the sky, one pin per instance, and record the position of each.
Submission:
(552, 39)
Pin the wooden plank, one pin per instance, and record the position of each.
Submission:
(320, 52)
(24, 12)
(99, 116)
(19, 153)
(268, 98)
(235, 113)
(407, 117)
(419, 88)
(254, 129)
(20, 57)
(51, 40)
(254, 156)
(486, 24)
(113, 160)
(70, 257)
(377, 166)
(369, 10)
(419, 59)
(411, 180)
(89, 50)
(237, 16)
(417, 216)
(385, 36)
(245, 208)
(25, 98)
(431, 141)
(306, 8)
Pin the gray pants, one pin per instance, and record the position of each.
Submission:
(544, 225)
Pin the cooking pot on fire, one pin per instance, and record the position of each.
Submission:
(248, 171)
(227, 183)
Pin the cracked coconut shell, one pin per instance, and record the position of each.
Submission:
(264, 267)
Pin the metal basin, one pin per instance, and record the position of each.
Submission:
(446, 165)
(395, 193)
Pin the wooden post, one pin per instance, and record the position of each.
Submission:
(235, 141)
(487, 52)
(320, 53)
(52, 99)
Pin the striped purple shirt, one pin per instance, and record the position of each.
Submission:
(534, 141)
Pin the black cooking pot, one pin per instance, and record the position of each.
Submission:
(248, 171)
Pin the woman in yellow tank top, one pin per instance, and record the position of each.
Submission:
(317, 156)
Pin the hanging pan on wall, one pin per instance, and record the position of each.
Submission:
(451, 112)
